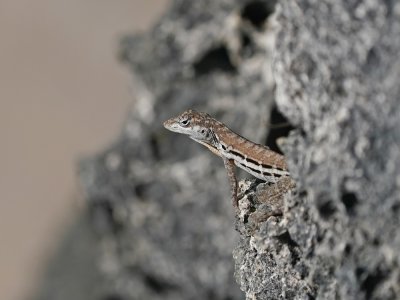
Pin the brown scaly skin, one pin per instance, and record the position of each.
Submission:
(234, 149)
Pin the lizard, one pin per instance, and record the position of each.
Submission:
(235, 150)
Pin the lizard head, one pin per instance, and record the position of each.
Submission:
(192, 123)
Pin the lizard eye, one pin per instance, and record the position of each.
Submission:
(185, 122)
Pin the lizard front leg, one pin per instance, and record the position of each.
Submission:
(230, 170)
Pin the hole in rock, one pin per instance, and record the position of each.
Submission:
(371, 282)
(248, 47)
(246, 219)
(359, 272)
(306, 216)
(102, 215)
(285, 238)
(350, 201)
(320, 238)
(372, 61)
(326, 209)
(347, 249)
(279, 127)
(396, 208)
(257, 12)
(245, 40)
(141, 190)
(216, 59)
(157, 285)
(155, 147)
(310, 296)
(303, 194)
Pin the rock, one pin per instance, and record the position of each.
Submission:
(337, 70)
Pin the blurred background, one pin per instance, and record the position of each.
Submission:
(63, 95)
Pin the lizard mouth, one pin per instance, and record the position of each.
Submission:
(172, 125)
(168, 124)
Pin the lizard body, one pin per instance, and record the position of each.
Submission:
(235, 150)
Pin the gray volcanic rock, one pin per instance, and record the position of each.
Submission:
(337, 73)
(339, 85)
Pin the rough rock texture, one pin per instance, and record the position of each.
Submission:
(337, 68)
(159, 203)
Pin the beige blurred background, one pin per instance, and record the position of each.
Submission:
(63, 94)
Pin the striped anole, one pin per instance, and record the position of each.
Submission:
(256, 159)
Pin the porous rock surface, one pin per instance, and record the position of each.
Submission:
(159, 203)
(336, 69)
